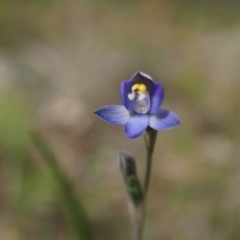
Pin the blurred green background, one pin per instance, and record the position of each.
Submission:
(59, 60)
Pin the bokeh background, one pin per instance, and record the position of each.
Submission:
(59, 60)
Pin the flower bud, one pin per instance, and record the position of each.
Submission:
(131, 181)
(127, 164)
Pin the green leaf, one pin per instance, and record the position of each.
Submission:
(75, 211)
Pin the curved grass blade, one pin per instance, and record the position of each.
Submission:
(75, 211)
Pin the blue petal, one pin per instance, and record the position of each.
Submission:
(163, 119)
(125, 89)
(116, 114)
(155, 89)
(136, 125)
(156, 97)
(140, 77)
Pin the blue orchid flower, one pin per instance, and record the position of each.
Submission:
(142, 98)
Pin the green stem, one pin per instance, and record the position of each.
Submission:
(150, 139)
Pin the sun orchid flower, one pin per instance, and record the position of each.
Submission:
(141, 98)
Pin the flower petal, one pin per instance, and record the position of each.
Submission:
(163, 119)
(155, 89)
(136, 125)
(156, 96)
(125, 89)
(116, 114)
(142, 74)
(140, 77)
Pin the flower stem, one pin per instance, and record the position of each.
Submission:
(150, 139)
